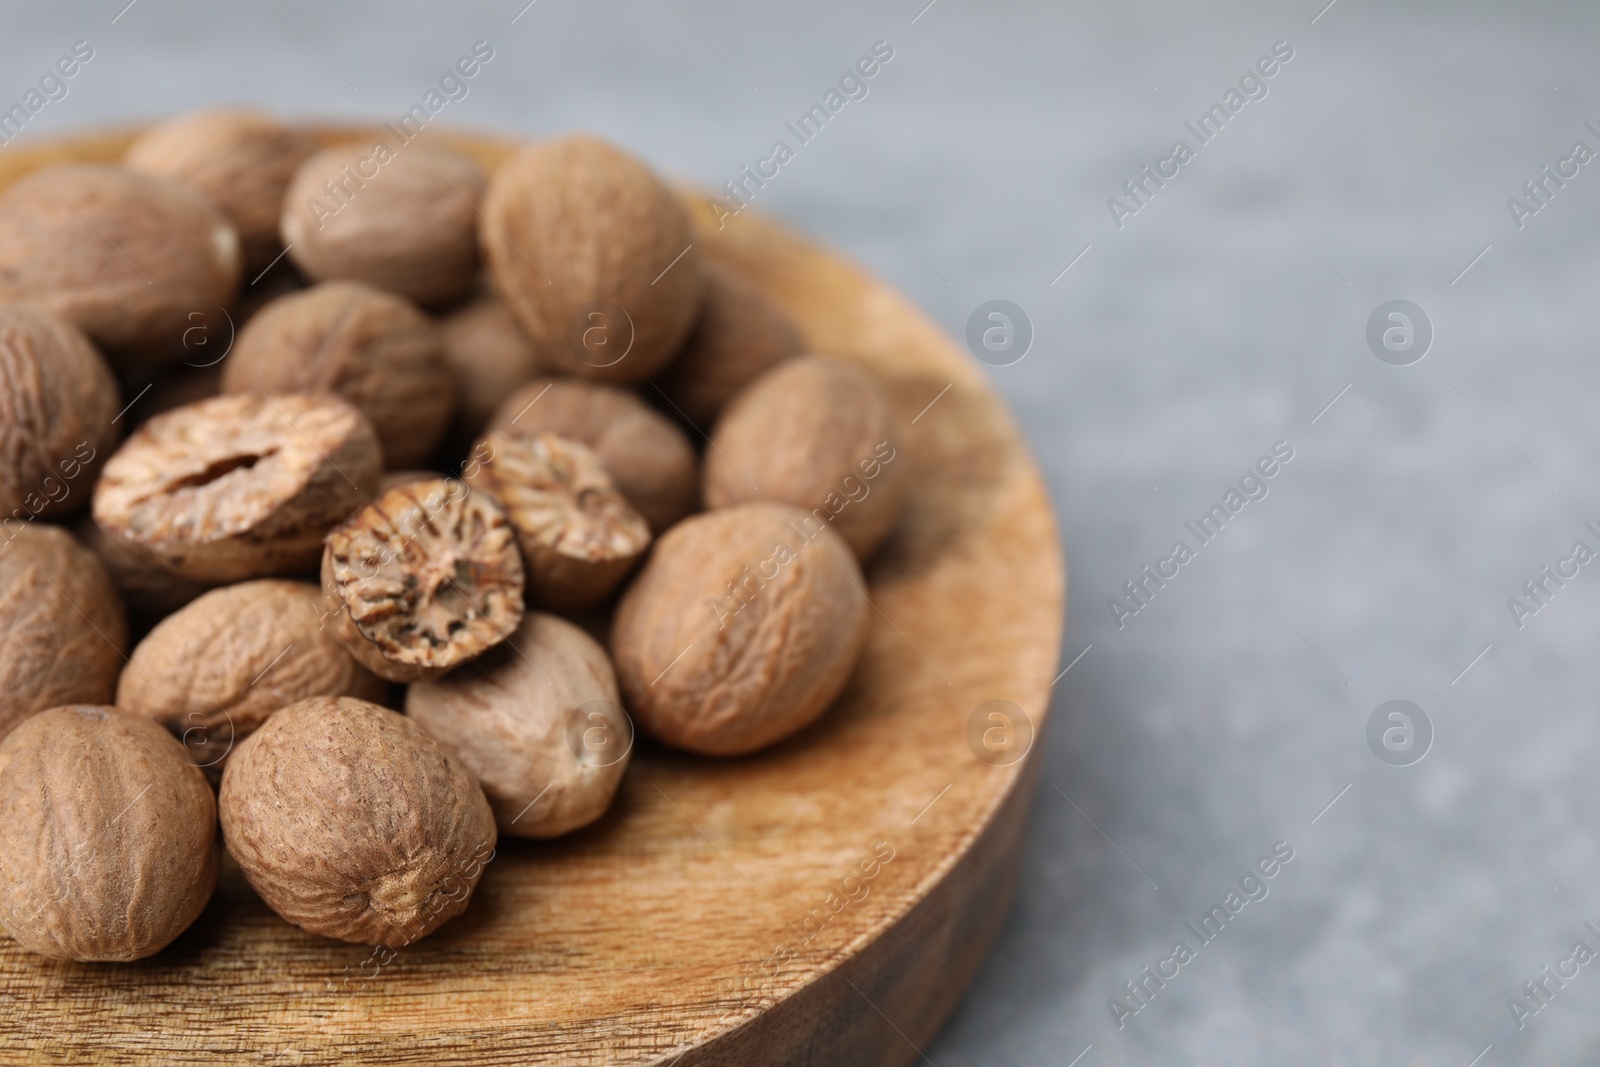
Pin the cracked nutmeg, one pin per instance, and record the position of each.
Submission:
(64, 624)
(579, 535)
(743, 628)
(341, 851)
(594, 255)
(214, 671)
(126, 257)
(107, 835)
(645, 452)
(239, 486)
(423, 579)
(373, 348)
(538, 723)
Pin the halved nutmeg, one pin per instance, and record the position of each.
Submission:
(580, 536)
(239, 486)
(423, 579)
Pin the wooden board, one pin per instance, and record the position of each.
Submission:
(721, 912)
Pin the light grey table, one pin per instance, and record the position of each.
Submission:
(1226, 314)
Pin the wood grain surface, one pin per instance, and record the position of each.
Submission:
(722, 912)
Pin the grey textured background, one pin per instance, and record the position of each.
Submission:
(1221, 319)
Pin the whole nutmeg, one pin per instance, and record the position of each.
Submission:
(239, 160)
(491, 357)
(547, 743)
(741, 334)
(126, 257)
(151, 593)
(818, 434)
(339, 850)
(405, 219)
(213, 672)
(594, 256)
(107, 836)
(64, 625)
(579, 535)
(645, 453)
(239, 486)
(422, 579)
(372, 348)
(57, 403)
(742, 628)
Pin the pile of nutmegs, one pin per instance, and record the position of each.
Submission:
(454, 446)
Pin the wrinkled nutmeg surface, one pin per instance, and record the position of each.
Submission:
(213, 672)
(579, 535)
(742, 628)
(423, 579)
(549, 744)
(351, 822)
(816, 433)
(57, 400)
(645, 453)
(239, 486)
(107, 836)
(405, 221)
(373, 348)
(741, 334)
(239, 160)
(126, 257)
(62, 626)
(576, 228)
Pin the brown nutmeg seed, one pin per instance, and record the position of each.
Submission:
(742, 628)
(124, 256)
(491, 357)
(64, 625)
(548, 743)
(423, 579)
(239, 486)
(404, 220)
(819, 434)
(213, 672)
(593, 253)
(378, 859)
(107, 836)
(741, 334)
(239, 160)
(372, 348)
(579, 535)
(645, 453)
(57, 403)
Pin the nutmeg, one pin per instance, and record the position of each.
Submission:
(124, 256)
(743, 627)
(404, 220)
(373, 348)
(64, 625)
(150, 592)
(595, 257)
(741, 333)
(645, 453)
(107, 836)
(338, 850)
(816, 433)
(239, 486)
(491, 357)
(57, 403)
(239, 160)
(539, 725)
(579, 535)
(422, 579)
(214, 671)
